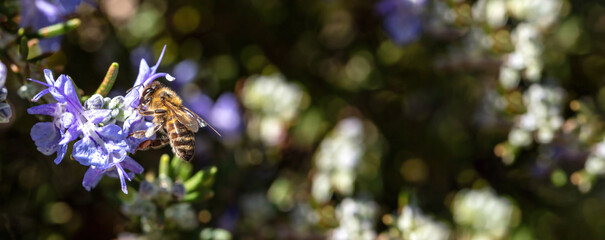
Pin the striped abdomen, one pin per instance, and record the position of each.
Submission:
(182, 139)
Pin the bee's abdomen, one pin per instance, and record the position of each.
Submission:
(182, 139)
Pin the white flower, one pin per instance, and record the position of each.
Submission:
(483, 211)
(356, 220)
(413, 224)
(337, 159)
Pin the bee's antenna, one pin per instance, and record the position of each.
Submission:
(133, 87)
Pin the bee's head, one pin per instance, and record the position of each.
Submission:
(148, 92)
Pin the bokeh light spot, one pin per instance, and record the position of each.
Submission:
(186, 19)
(204, 216)
(558, 178)
(58, 213)
(414, 170)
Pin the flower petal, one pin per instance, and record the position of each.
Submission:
(61, 153)
(122, 181)
(68, 6)
(133, 121)
(48, 9)
(58, 89)
(67, 87)
(92, 177)
(112, 172)
(157, 64)
(46, 137)
(70, 134)
(58, 95)
(48, 74)
(67, 119)
(132, 165)
(144, 71)
(111, 132)
(87, 152)
(2, 74)
(44, 109)
(132, 98)
(97, 115)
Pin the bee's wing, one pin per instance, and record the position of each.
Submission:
(188, 118)
(200, 121)
(184, 117)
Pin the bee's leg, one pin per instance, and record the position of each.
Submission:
(138, 134)
(150, 131)
(153, 113)
(146, 133)
(159, 142)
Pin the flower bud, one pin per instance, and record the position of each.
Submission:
(116, 102)
(94, 102)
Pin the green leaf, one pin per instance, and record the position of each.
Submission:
(58, 29)
(164, 170)
(175, 165)
(109, 80)
(200, 179)
(184, 172)
(192, 196)
(195, 181)
(197, 195)
(23, 48)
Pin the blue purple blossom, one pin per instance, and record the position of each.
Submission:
(185, 72)
(146, 76)
(402, 19)
(102, 127)
(5, 110)
(224, 114)
(68, 116)
(42, 13)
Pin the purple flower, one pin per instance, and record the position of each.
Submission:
(116, 170)
(185, 72)
(133, 123)
(5, 109)
(224, 114)
(103, 143)
(41, 13)
(145, 77)
(68, 116)
(100, 146)
(198, 102)
(2, 74)
(103, 148)
(402, 19)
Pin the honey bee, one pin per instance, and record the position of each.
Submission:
(173, 122)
